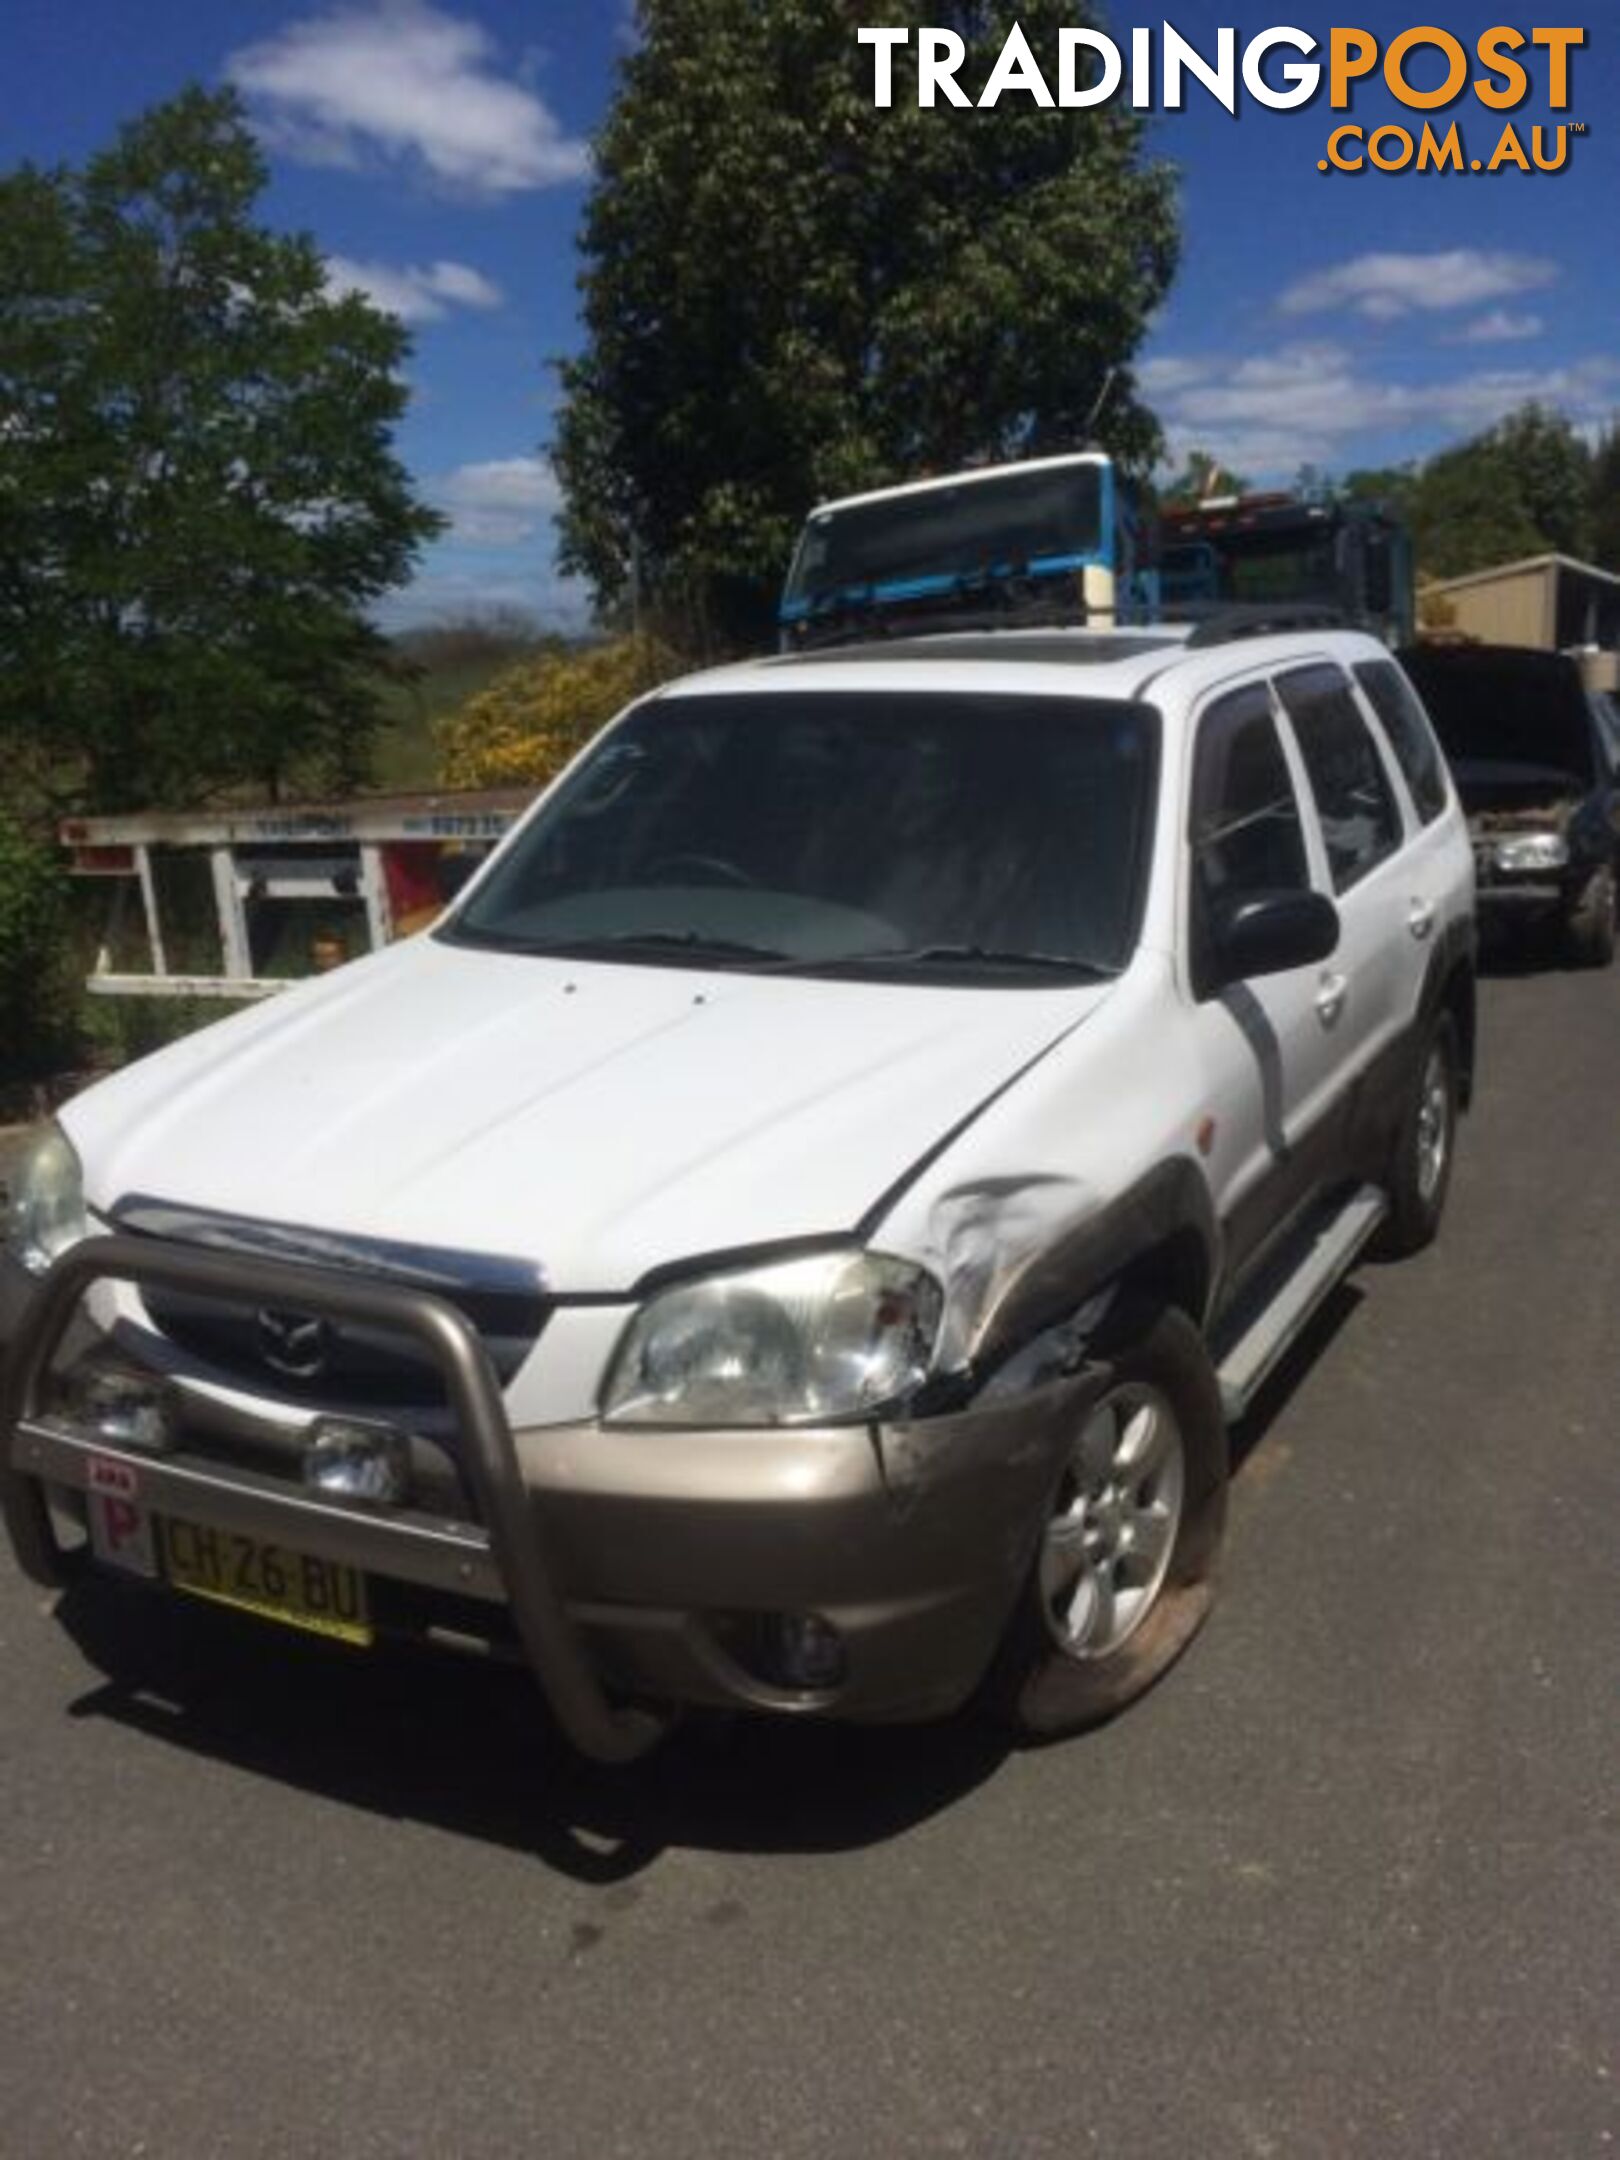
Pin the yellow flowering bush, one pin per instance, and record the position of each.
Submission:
(533, 717)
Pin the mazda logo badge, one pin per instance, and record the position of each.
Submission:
(293, 1343)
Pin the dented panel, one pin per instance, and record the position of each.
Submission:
(1018, 1252)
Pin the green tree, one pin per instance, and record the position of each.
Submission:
(198, 494)
(1521, 488)
(789, 294)
(1390, 486)
(34, 994)
(1466, 515)
(1551, 469)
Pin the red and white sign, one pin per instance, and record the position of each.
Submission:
(120, 1528)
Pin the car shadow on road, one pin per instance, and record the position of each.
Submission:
(1512, 952)
(467, 1746)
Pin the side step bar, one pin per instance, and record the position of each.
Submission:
(1300, 1282)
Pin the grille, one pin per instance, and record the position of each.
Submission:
(301, 1358)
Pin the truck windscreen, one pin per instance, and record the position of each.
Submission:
(1012, 523)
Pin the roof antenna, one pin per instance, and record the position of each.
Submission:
(1103, 395)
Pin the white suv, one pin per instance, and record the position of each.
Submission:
(795, 1235)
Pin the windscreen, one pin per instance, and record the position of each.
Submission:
(974, 838)
(1254, 568)
(972, 527)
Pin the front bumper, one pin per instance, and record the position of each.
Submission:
(631, 1564)
(1510, 898)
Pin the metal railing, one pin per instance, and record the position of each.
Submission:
(31, 1442)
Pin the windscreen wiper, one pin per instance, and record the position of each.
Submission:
(925, 956)
(687, 942)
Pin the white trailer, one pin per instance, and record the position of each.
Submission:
(378, 866)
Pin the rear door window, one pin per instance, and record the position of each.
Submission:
(1247, 835)
(1355, 803)
(1410, 736)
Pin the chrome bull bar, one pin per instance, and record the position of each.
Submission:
(30, 1444)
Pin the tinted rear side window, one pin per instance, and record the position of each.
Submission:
(1360, 822)
(1246, 832)
(1410, 736)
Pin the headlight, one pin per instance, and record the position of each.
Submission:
(1532, 851)
(47, 1202)
(824, 1340)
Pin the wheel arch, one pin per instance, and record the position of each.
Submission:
(1455, 992)
(1178, 1271)
(1158, 1241)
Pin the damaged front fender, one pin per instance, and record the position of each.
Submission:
(993, 1465)
(1021, 1260)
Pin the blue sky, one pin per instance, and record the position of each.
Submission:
(438, 150)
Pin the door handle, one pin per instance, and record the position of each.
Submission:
(1330, 996)
(1420, 919)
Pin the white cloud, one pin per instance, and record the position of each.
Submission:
(1310, 404)
(1584, 390)
(1305, 392)
(1501, 327)
(413, 294)
(500, 502)
(500, 551)
(401, 80)
(1165, 373)
(1383, 286)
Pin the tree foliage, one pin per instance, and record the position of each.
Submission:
(530, 721)
(33, 911)
(1528, 486)
(789, 294)
(198, 495)
(1522, 488)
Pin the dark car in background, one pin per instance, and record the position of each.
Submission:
(1534, 765)
(1606, 705)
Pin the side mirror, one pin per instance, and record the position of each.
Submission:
(1267, 933)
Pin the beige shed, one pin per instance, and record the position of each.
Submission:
(1550, 601)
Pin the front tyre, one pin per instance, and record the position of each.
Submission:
(1124, 1573)
(1589, 927)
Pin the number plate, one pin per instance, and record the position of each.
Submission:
(321, 1596)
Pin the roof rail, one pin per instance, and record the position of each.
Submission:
(1233, 623)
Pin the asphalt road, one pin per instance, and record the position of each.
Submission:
(1347, 1884)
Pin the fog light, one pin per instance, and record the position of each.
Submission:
(807, 1651)
(358, 1462)
(126, 1409)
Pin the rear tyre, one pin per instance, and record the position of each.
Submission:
(1419, 1173)
(1589, 927)
(1124, 1574)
